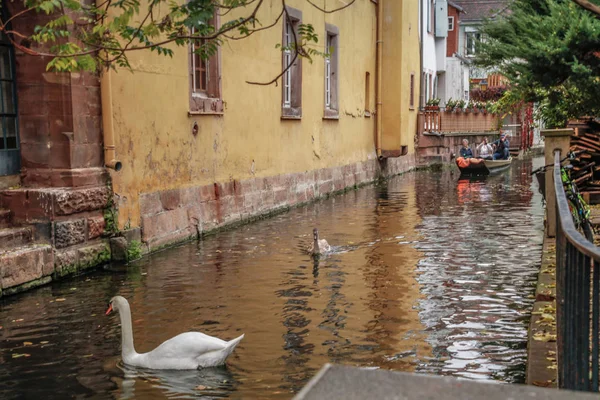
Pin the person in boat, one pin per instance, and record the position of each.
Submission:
(501, 148)
(485, 150)
(465, 150)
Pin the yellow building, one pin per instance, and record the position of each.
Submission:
(201, 148)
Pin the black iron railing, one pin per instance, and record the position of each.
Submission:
(577, 298)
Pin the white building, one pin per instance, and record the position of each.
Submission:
(445, 71)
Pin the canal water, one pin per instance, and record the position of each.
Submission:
(430, 274)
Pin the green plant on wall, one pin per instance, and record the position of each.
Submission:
(134, 250)
(111, 215)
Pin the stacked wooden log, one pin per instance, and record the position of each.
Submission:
(586, 167)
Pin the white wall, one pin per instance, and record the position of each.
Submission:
(457, 79)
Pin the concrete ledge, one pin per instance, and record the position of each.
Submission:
(348, 383)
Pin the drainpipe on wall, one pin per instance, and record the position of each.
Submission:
(110, 159)
(378, 86)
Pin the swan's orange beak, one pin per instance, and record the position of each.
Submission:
(109, 309)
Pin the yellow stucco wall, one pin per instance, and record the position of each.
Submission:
(401, 58)
(153, 131)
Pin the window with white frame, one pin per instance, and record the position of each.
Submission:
(331, 71)
(450, 23)
(291, 104)
(287, 61)
(429, 15)
(471, 41)
(328, 75)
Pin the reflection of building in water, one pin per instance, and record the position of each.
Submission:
(482, 244)
(389, 274)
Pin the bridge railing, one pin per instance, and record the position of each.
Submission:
(577, 298)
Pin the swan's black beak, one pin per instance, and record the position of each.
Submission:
(109, 309)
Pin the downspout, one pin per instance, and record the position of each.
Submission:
(378, 86)
(108, 129)
(110, 159)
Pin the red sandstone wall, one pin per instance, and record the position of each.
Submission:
(452, 40)
(59, 119)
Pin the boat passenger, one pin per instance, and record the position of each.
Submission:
(465, 150)
(501, 148)
(485, 150)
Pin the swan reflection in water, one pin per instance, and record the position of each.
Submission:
(207, 383)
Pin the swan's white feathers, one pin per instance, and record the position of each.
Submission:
(190, 350)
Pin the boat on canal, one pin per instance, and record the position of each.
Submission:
(479, 166)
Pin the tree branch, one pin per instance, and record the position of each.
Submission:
(335, 9)
(296, 53)
(588, 6)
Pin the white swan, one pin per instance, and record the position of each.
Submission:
(319, 246)
(190, 350)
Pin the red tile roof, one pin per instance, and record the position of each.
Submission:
(476, 10)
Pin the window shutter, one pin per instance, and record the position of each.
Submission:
(441, 18)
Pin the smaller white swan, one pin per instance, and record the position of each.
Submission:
(319, 246)
(190, 350)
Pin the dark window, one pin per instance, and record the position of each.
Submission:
(8, 110)
(472, 39)
(368, 93)
(412, 91)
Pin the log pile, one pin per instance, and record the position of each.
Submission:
(586, 167)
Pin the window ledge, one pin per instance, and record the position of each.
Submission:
(331, 117)
(292, 117)
(206, 105)
(196, 113)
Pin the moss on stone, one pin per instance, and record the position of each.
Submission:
(26, 286)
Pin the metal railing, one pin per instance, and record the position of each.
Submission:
(577, 298)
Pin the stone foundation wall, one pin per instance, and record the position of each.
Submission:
(176, 215)
(66, 235)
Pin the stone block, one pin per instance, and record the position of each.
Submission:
(229, 209)
(224, 189)
(25, 265)
(150, 203)
(207, 192)
(65, 262)
(267, 200)
(87, 155)
(326, 187)
(280, 197)
(171, 239)
(93, 255)
(310, 193)
(132, 234)
(118, 248)
(211, 213)
(170, 199)
(95, 227)
(69, 233)
(190, 196)
(74, 201)
(252, 203)
(180, 218)
(245, 187)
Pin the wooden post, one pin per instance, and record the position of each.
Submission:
(554, 139)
